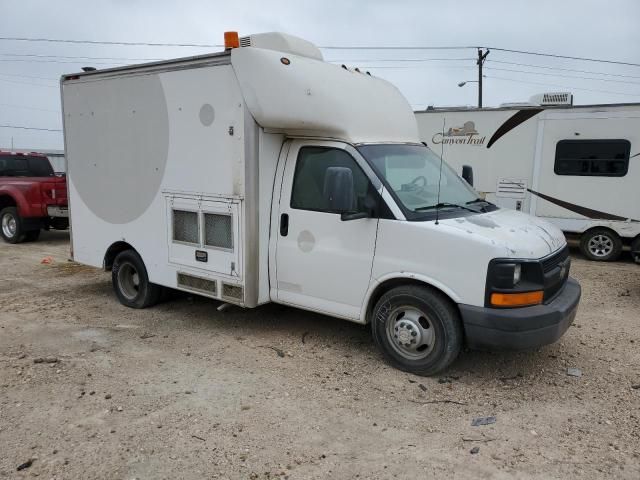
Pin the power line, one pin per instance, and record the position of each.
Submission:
(563, 76)
(562, 69)
(33, 60)
(79, 58)
(29, 108)
(584, 59)
(50, 79)
(20, 127)
(27, 83)
(401, 60)
(563, 86)
(102, 42)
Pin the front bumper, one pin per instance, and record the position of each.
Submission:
(521, 328)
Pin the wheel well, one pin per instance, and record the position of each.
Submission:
(7, 201)
(113, 251)
(387, 285)
(600, 228)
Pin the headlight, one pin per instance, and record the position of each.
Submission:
(514, 283)
(517, 273)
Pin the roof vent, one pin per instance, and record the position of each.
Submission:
(553, 98)
(282, 42)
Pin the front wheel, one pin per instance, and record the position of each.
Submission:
(131, 282)
(11, 225)
(601, 244)
(417, 329)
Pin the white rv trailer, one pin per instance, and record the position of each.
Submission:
(576, 166)
(263, 174)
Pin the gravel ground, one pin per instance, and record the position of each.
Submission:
(183, 391)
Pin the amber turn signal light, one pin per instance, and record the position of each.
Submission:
(231, 40)
(517, 299)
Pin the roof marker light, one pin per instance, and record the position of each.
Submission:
(231, 40)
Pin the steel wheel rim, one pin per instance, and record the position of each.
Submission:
(410, 332)
(129, 281)
(600, 245)
(9, 225)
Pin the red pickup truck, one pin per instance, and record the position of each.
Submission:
(32, 197)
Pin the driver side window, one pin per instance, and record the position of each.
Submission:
(309, 178)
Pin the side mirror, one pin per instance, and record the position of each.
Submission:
(467, 174)
(338, 191)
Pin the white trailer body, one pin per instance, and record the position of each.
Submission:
(576, 166)
(265, 174)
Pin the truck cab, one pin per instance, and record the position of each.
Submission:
(264, 174)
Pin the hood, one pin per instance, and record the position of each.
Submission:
(519, 234)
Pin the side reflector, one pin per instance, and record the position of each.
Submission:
(516, 299)
(231, 40)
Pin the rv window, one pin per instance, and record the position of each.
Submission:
(596, 158)
(308, 182)
(218, 231)
(185, 227)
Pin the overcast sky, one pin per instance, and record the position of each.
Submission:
(29, 71)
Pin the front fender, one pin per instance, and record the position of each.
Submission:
(452, 294)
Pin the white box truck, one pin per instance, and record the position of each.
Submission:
(576, 166)
(263, 174)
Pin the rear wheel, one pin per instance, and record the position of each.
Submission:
(11, 225)
(131, 282)
(635, 250)
(417, 329)
(601, 245)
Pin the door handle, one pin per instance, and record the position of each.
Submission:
(284, 224)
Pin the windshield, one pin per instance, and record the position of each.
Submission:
(413, 173)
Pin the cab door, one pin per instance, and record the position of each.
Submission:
(323, 262)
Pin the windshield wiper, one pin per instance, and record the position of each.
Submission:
(444, 205)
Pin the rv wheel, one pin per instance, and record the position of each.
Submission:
(11, 225)
(601, 245)
(635, 250)
(131, 283)
(417, 329)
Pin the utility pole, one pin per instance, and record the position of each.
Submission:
(481, 58)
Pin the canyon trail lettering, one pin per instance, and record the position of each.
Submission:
(465, 135)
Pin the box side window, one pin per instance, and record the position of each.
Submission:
(218, 230)
(596, 158)
(185, 227)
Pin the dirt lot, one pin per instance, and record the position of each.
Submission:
(183, 391)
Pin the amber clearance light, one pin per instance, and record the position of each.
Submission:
(231, 40)
(517, 299)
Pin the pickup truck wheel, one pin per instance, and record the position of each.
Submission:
(32, 235)
(11, 225)
(131, 282)
(417, 329)
(601, 244)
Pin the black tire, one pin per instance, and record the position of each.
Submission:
(635, 250)
(434, 318)
(59, 223)
(601, 245)
(32, 235)
(131, 282)
(11, 228)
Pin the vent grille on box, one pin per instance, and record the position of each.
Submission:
(554, 98)
(234, 292)
(217, 231)
(185, 227)
(196, 283)
(245, 41)
(511, 188)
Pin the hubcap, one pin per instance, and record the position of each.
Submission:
(9, 225)
(129, 281)
(410, 332)
(600, 245)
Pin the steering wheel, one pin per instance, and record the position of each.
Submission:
(422, 179)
